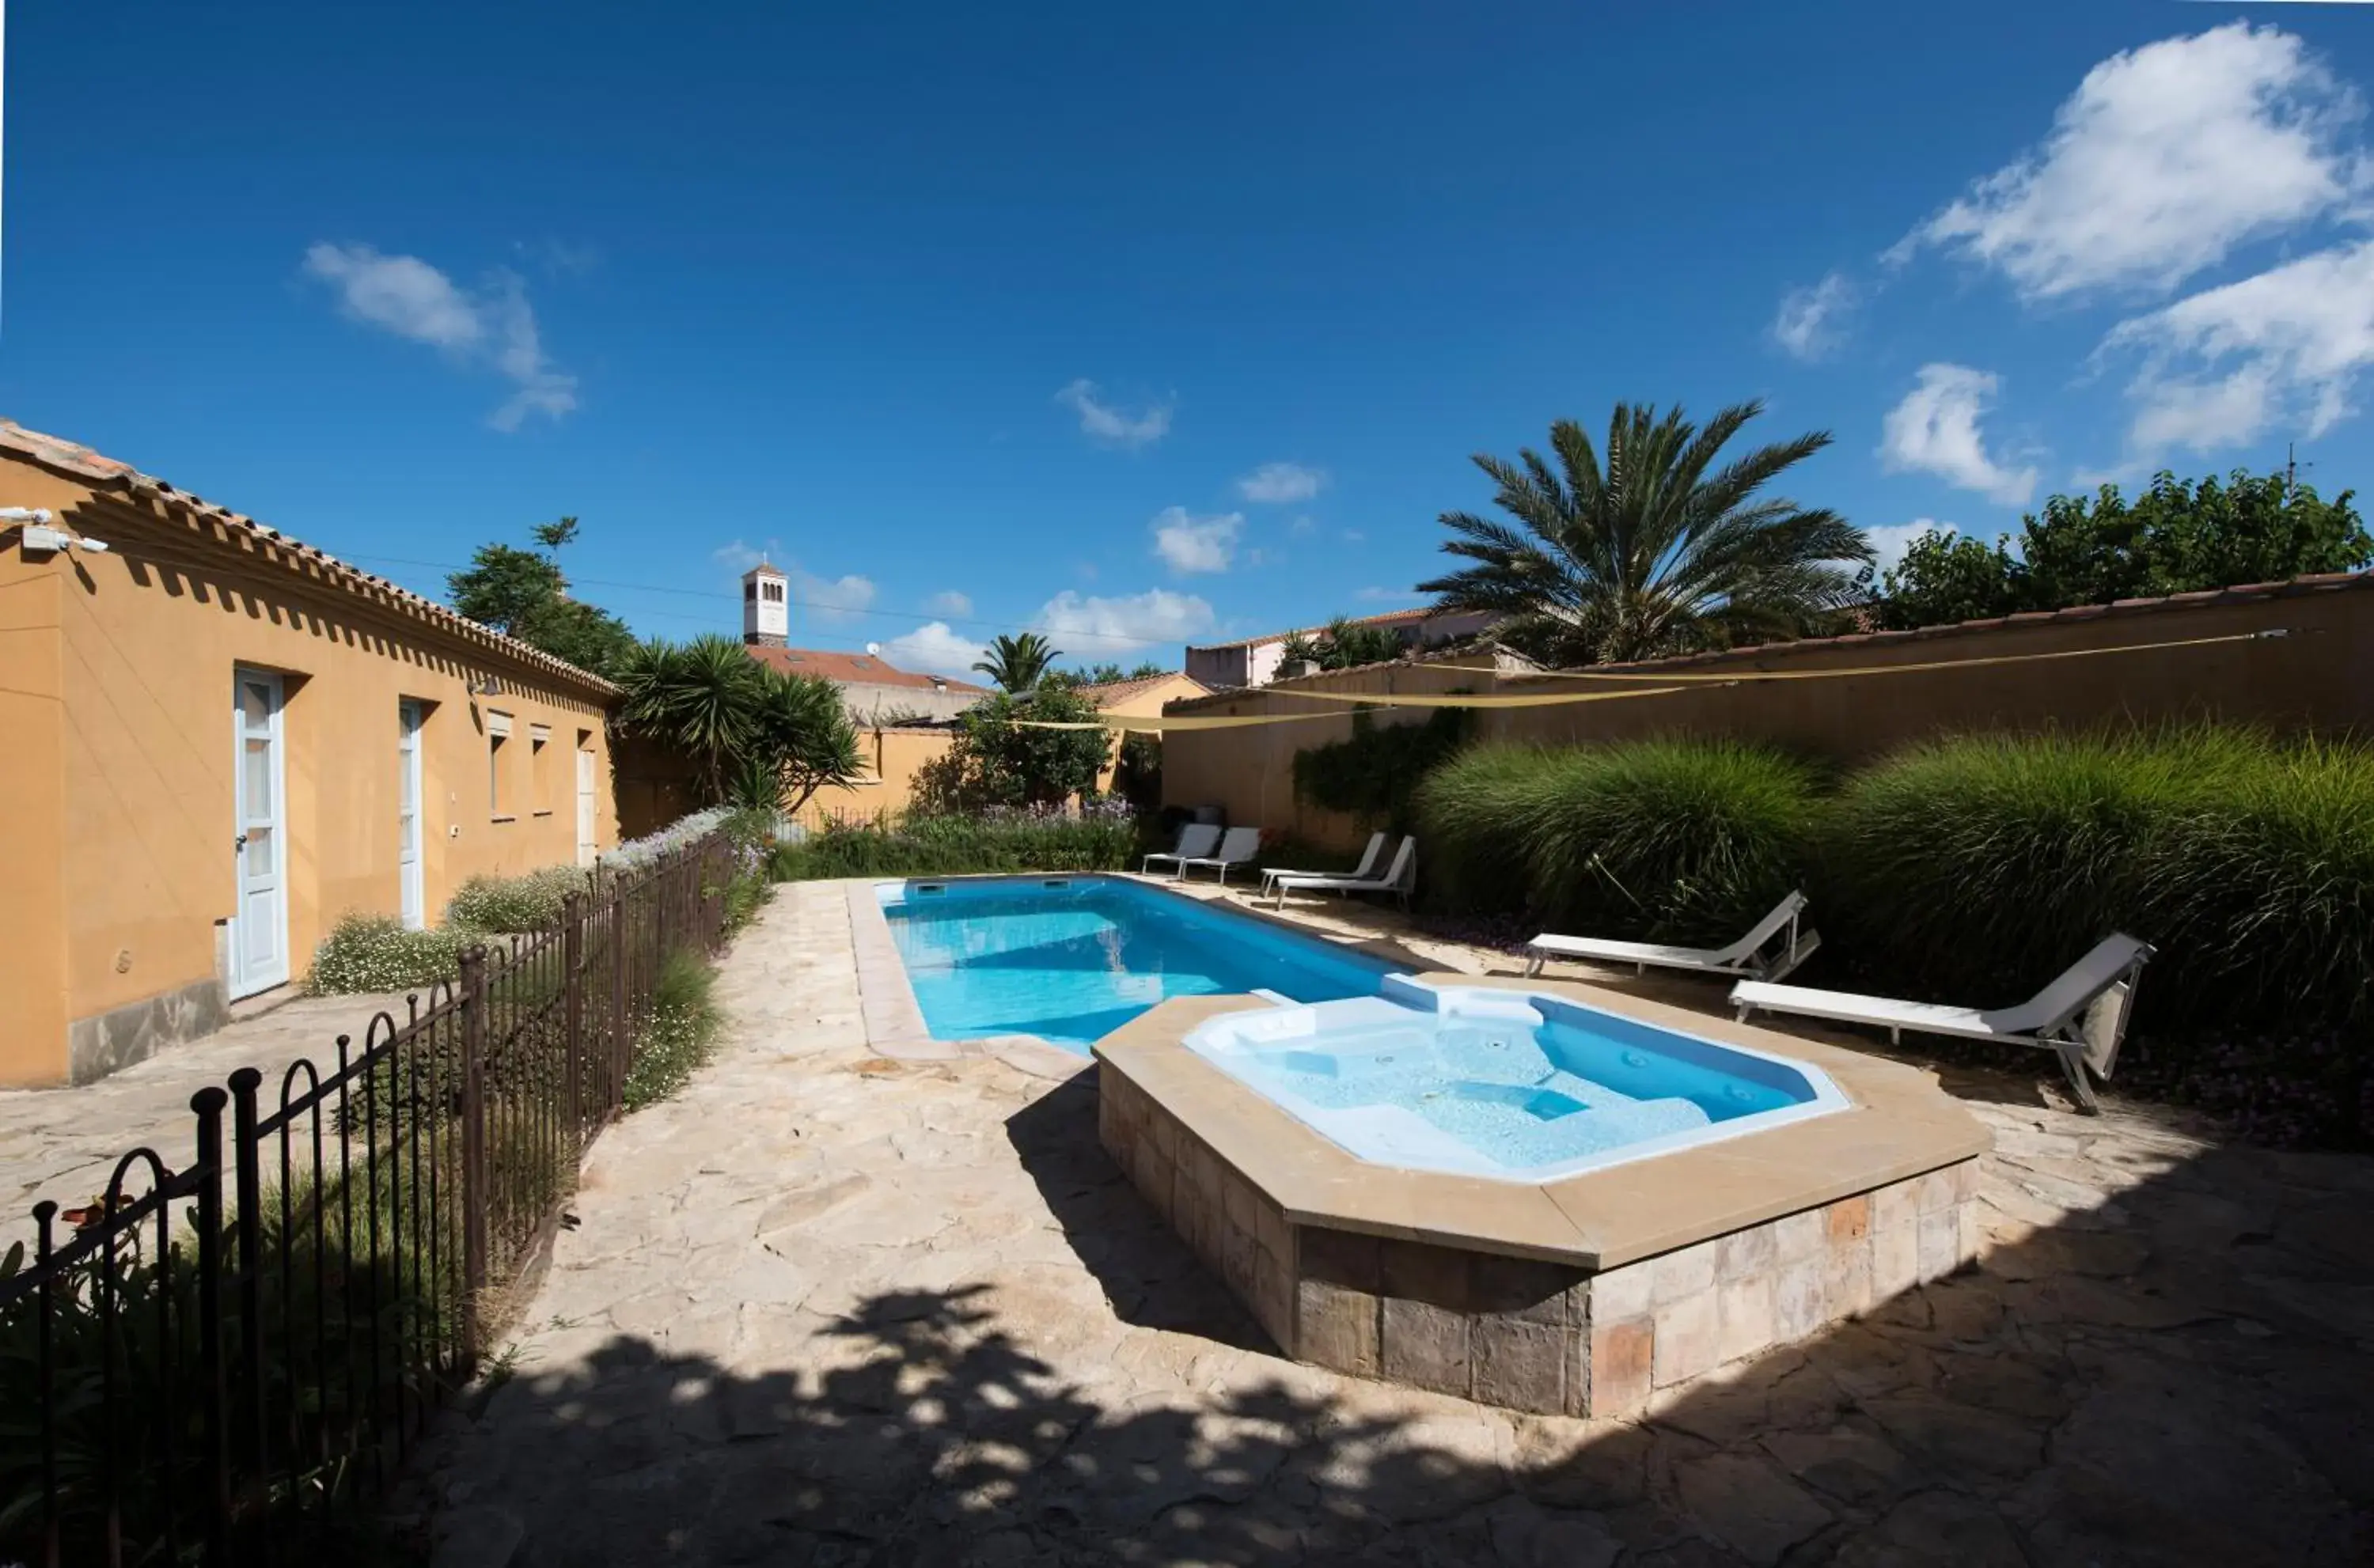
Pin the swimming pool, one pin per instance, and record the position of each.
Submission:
(1517, 1085)
(1071, 959)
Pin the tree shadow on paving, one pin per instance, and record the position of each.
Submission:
(2177, 1376)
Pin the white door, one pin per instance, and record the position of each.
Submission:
(259, 931)
(408, 807)
(585, 807)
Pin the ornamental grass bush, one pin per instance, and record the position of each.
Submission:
(1101, 838)
(1979, 867)
(1670, 839)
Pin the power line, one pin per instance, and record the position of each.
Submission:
(826, 605)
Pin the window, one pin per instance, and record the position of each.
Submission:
(539, 770)
(750, 590)
(499, 734)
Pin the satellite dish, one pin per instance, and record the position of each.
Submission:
(875, 649)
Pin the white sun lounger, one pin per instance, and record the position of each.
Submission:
(1195, 840)
(1361, 872)
(1238, 847)
(2081, 1017)
(1400, 879)
(1745, 958)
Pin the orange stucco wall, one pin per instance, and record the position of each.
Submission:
(117, 750)
(2314, 678)
(1146, 704)
(892, 758)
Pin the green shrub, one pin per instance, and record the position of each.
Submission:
(1473, 815)
(523, 903)
(1370, 775)
(1676, 840)
(1100, 839)
(678, 1034)
(375, 953)
(1980, 866)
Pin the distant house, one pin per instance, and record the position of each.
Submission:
(1255, 661)
(874, 690)
(1142, 697)
(215, 741)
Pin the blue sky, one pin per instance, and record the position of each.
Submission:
(1142, 327)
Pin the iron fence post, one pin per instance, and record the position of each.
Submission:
(212, 1395)
(617, 1040)
(572, 964)
(44, 1352)
(248, 1191)
(474, 1193)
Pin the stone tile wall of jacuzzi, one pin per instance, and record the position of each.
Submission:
(1530, 1333)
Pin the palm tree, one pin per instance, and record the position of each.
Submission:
(753, 735)
(1015, 663)
(1649, 553)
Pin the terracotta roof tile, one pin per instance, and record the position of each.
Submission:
(1121, 691)
(105, 473)
(856, 669)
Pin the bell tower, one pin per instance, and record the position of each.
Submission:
(766, 606)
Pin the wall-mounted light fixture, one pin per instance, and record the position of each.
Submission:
(37, 532)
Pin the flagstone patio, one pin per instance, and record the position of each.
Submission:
(833, 1307)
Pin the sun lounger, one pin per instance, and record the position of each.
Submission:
(1400, 879)
(2081, 1017)
(1365, 869)
(1745, 958)
(1237, 848)
(1195, 840)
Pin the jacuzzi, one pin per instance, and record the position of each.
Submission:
(1509, 1086)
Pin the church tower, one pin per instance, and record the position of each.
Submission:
(766, 609)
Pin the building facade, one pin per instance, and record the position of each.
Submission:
(218, 741)
(1256, 661)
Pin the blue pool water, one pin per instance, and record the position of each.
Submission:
(1509, 1084)
(1071, 959)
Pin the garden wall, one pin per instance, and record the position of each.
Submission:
(2315, 677)
(655, 786)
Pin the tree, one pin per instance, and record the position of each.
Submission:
(752, 734)
(2178, 537)
(996, 761)
(1654, 552)
(1348, 644)
(1301, 648)
(1109, 672)
(523, 594)
(1016, 662)
(553, 535)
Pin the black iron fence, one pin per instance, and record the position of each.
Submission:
(215, 1363)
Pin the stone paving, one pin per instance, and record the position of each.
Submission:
(63, 1143)
(828, 1307)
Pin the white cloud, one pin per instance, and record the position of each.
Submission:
(2221, 367)
(949, 602)
(1889, 541)
(936, 648)
(2162, 160)
(1196, 544)
(1808, 325)
(1123, 625)
(1108, 422)
(1354, 536)
(738, 557)
(1381, 595)
(1274, 484)
(1935, 430)
(1303, 525)
(495, 327)
(833, 599)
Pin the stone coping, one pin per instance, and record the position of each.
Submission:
(894, 1019)
(1899, 1124)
